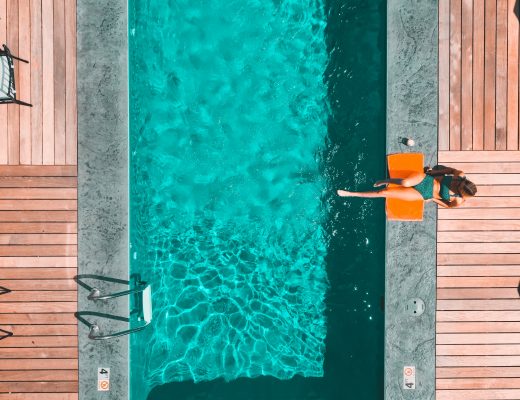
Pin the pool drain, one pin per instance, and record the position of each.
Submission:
(414, 307)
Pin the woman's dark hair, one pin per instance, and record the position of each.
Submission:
(463, 186)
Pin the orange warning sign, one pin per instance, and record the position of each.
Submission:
(408, 371)
(103, 385)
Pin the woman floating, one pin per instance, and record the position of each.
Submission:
(448, 187)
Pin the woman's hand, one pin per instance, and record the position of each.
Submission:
(380, 183)
(440, 202)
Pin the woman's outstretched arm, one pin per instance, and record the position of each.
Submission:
(442, 170)
(453, 203)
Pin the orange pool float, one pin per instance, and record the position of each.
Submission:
(400, 166)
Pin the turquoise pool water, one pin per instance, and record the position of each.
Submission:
(238, 138)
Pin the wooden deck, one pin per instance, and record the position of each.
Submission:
(38, 204)
(478, 245)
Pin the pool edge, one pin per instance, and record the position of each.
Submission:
(412, 98)
(102, 84)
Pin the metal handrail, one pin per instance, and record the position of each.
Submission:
(95, 294)
(94, 331)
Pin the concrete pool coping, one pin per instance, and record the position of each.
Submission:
(103, 245)
(103, 187)
(412, 62)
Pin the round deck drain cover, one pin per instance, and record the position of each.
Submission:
(414, 307)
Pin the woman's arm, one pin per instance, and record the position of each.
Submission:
(442, 170)
(452, 204)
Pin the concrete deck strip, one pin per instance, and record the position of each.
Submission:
(412, 60)
(102, 79)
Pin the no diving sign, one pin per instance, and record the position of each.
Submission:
(103, 383)
(409, 377)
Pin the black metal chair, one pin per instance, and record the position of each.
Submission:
(7, 84)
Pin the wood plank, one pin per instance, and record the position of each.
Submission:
(40, 387)
(38, 227)
(39, 396)
(447, 157)
(478, 75)
(38, 341)
(478, 372)
(498, 191)
(490, 22)
(478, 383)
(512, 77)
(444, 76)
(38, 250)
(4, 158)
(478, 236)
(478, 338)
(48, 82)
(498, 167)
(43, 296)
(475, 248)
(495, 179)
(478, 349)
(13, 110)
(47, 273)
(59, 81)
(22, 308)
(482, 259)
(37, 319)
(492, 202)
(71, 112)
(40, 352)
(38, 216)
(36, 83)
(477, 225)
(484, 361)
(476, 281)
(38, 193)
(41, 330)
(38, 262)
(467, 76)
(39, 364)
(38, 375)
(24, 84)
(476, 316)
(453, 213)
(504, 394)
(478, 270)
(38, 182)
(455, 73)
(21, 239)
(41, 284)
(475, 293)
(475, 327)
(501, 75)
(38, 205)
(478, 304)
(32, 171)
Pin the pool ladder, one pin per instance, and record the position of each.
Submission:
(140, 305)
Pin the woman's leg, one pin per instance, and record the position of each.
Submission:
(411, 180)
(402, 193)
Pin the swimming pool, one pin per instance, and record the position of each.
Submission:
(262, 279)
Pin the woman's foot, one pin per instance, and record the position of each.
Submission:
(343, 193)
